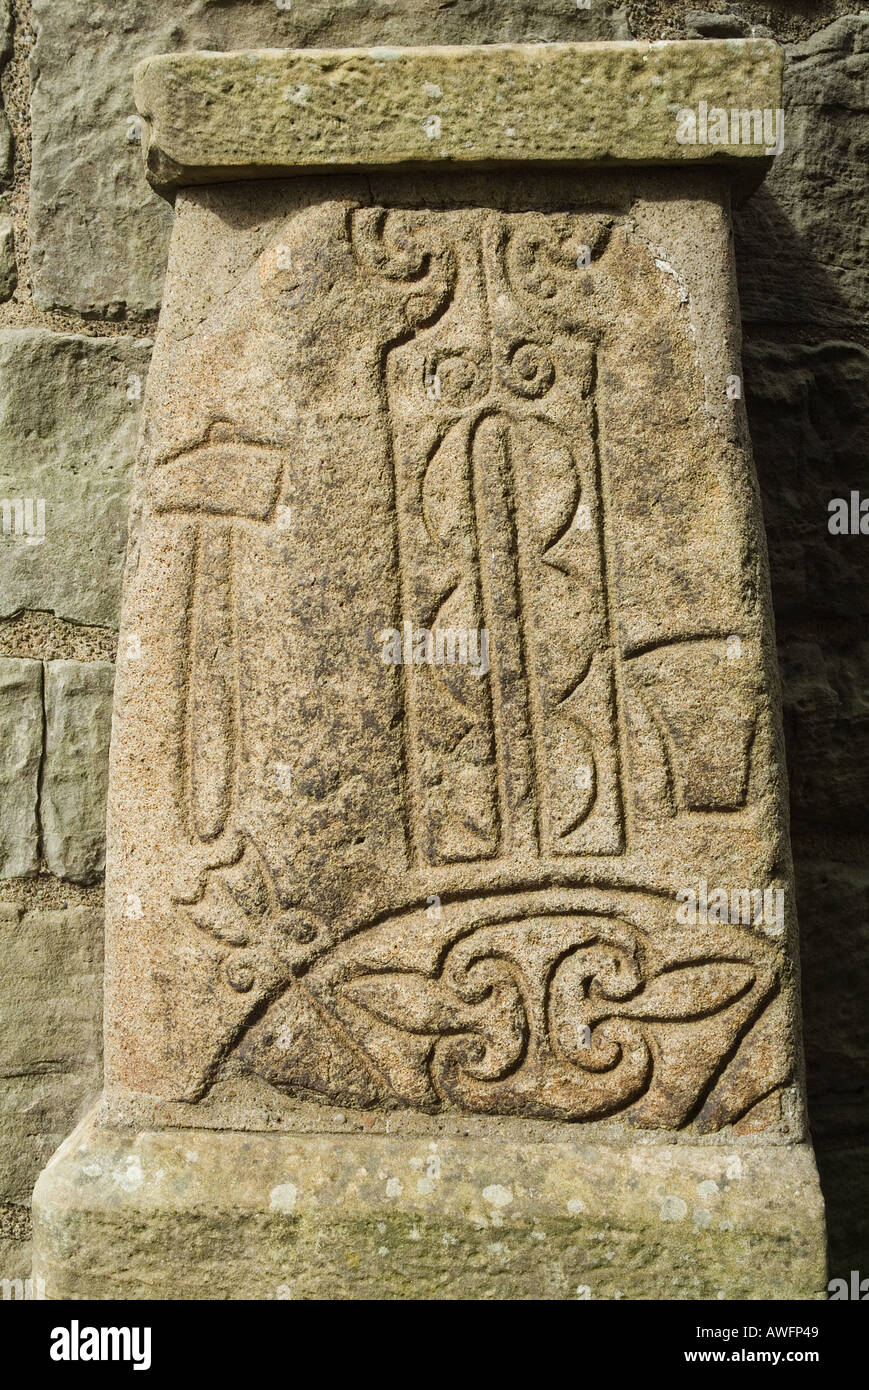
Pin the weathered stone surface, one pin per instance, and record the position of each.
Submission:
(803, 245)
(367, 1216)
(5, 52)
(8, 268)
(825, 693)
(837, 1044)
(15, 1265)
(54, 796)
(78, 707)
(446, 693)
(87, 185)
(50, 1045)
(701, 24)
(21, 740)
(5, 29)
(16, 1251)
(843, 1165)
(240, 115)
(809, 414)
(72, 468)
(306, 800)
(5, 146)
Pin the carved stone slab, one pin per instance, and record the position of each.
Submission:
(447, 780)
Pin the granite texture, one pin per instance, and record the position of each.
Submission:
(306, 797)
(425, 831)
(799, 294)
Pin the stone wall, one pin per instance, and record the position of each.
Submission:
(82, 250)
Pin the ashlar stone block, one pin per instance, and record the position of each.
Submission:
(21, 732)
(50, 1034)
(78, 701)
(65, 476)
(447, 812)
(801, 244)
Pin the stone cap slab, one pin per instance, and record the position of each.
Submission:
(213, 117)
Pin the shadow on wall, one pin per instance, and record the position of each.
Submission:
(807, 394)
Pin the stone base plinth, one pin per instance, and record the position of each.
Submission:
(207, 1214)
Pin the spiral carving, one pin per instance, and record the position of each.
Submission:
(528, 370)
